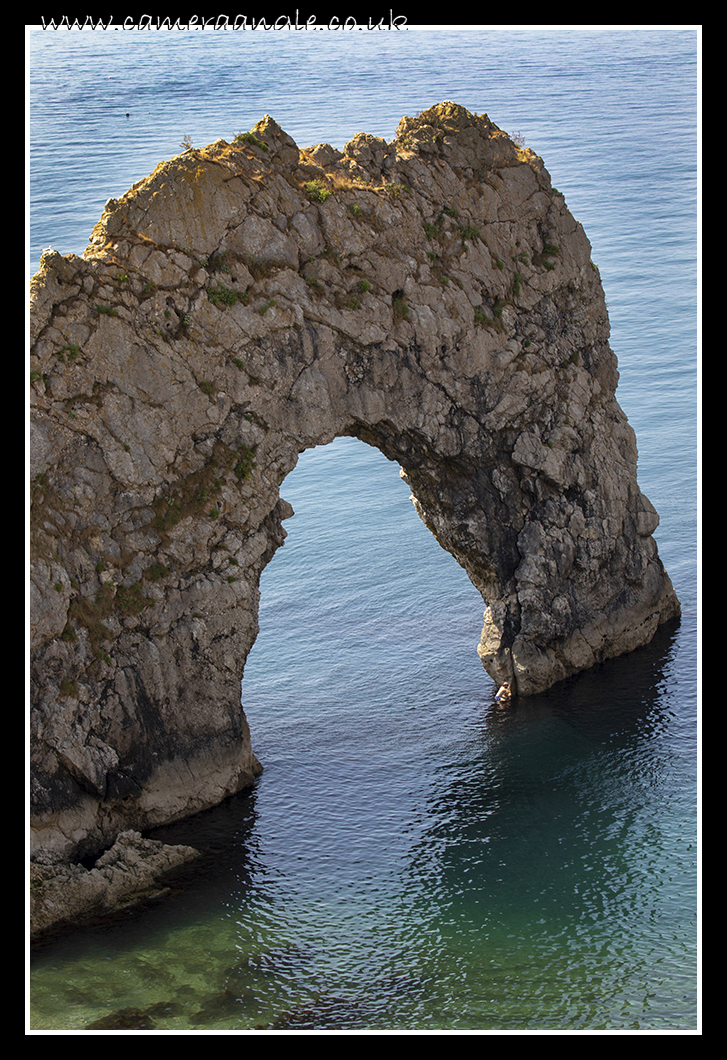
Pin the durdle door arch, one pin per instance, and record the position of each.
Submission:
(432, 296)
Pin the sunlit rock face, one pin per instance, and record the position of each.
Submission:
(432, 296)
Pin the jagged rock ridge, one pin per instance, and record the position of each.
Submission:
(432, 296)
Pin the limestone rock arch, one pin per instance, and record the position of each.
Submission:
(432, 296)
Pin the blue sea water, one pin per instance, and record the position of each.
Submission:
(413, 858)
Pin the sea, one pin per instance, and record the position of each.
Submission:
(416, 859)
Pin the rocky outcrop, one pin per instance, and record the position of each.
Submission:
(131, 873)
(432, 296)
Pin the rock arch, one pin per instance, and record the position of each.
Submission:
(433, 297)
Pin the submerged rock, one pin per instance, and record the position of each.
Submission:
(432, 296)
(124, 1019)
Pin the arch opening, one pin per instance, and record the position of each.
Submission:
(360, 602)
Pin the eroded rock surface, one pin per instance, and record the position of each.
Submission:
(433, 297)
(130, 873)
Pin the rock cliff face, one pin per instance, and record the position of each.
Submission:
(433, 297)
